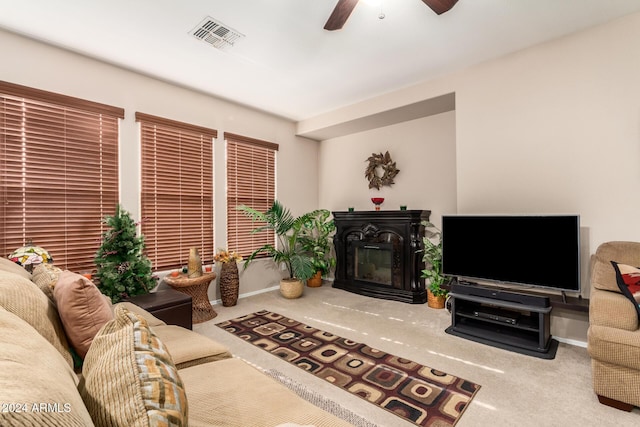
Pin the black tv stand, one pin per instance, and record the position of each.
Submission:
(514, 321)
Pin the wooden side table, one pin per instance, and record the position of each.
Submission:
(197, 288)
(170, 306)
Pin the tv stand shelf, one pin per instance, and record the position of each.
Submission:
(498, 319)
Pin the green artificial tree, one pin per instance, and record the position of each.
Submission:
(123, 269)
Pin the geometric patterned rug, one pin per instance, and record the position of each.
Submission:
(414, 392)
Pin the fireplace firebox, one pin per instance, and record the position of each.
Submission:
(379, 254)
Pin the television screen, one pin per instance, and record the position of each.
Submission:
(541, 251)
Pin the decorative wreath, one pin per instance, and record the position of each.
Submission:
(388, 167)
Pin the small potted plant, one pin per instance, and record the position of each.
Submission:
(289, 251)
(316, 238)
(432, 257)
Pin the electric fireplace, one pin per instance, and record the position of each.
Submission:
(379, 254)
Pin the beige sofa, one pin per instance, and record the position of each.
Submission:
(137, 370)
(614, 329)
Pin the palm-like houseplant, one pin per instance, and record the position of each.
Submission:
(289, 250)
(432, 258)
(316, 239)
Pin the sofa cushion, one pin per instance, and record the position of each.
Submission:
(628, 279)
(141, 312)
(33, 372)
(83, 309)
(233, 407)
(45, 276)
(11, 267)
(603, 275)
(612, 309)
(23, 298)
(129, 378)
(615, 346)
(189, 348)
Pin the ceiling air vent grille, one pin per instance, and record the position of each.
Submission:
(216, 33)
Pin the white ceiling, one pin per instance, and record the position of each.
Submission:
(287, 64)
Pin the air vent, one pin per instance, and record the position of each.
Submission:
(216, 33)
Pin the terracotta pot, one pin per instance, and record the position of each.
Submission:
(291, 288)
(435, 301)
(316, 280)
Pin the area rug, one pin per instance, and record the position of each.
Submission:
(414, 392)
(320, 401)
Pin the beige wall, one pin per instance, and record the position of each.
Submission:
(425, 152)
(551, 129)
(44, 67)
(556, 128)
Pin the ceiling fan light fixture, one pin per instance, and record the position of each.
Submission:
(343, 9)
(440, 6)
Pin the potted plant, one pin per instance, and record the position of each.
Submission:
(316, 239)
(122, 268)
(432, 257)
(289, 250)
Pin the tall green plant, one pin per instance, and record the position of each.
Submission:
(316, 239)
(432, 258)
(123, 269)
(287, 228)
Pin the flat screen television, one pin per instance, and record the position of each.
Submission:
(523, 250)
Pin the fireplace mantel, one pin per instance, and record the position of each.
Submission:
(379, 254)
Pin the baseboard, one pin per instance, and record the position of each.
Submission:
(261, 291)
(250, 294)
(570, 341)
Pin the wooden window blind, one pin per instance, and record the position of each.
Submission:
(58, 173)
(251, 176)
(177, 190)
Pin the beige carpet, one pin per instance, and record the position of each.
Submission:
(517, 390)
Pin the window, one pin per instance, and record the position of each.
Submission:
(58, 173)
(250, 181)
(177, 190)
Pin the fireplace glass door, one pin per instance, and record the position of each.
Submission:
(374, 262)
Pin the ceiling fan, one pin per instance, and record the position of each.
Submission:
(344, 8)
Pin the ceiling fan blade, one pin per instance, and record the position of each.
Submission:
(440, 6)
(340, 14)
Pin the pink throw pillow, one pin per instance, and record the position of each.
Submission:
(82, 308)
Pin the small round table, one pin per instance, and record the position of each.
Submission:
(197, 288)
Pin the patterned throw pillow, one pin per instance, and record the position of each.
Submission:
(628, 278)
(45, 275)
(129, 377)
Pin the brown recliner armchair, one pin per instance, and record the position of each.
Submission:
(614, 329)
